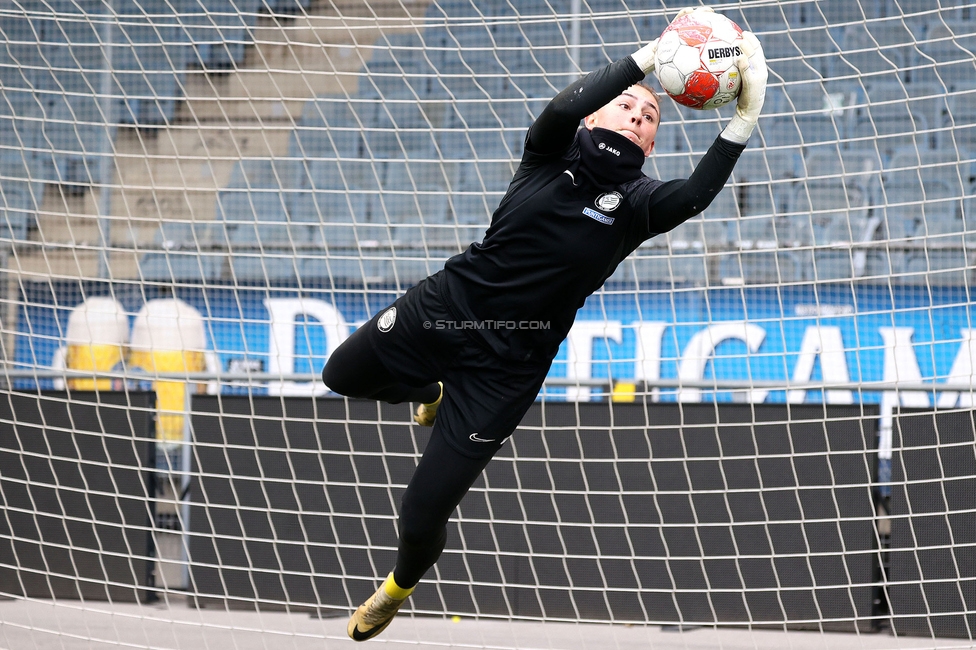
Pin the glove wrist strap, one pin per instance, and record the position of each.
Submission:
(738, 129)
(644, 58)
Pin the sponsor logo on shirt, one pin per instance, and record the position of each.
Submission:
(604, 145)
(474, 437)
(602, 218)
(609, 201)
(387, 320)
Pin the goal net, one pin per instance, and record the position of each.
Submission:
(763, 421)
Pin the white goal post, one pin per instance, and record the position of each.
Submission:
(763, 421)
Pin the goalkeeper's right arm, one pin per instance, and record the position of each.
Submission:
(555, 128)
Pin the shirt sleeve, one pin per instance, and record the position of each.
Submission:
(674, 202)
(556, 126)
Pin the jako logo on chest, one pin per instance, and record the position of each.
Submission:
(604, 145)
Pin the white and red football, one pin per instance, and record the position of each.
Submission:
(695, 60)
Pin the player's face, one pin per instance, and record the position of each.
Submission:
(634, 114)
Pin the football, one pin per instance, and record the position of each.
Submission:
(695, 60)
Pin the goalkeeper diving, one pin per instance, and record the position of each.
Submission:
(473, 343)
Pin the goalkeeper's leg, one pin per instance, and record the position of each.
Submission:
(487, 400)
(355, 370)
(441, 480)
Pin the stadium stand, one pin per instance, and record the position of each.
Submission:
(361, 172)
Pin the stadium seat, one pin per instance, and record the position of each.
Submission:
(858, 168)
(832, 264)
(286, 7)
(696, 135)
(762, 267)
(188, 235)
(408, 175)
(937, 267)
(270, 236)
(177, 267)
(333, 213)
(764, 179)
(830, 210)
(247, 206)
(328, 174)
(931, 184)
(415, 207)
(653, 266)
(257, 267)
(876, 47)
(21, 193)
(266, 173)
(154, 55)
(473, 144)
(219, 30)
(759, 232)
(812, 113)
(889, 117)
(331, 112)
(399, 130)
(951, 45)
(959, 123)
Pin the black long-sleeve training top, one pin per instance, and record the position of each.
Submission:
(577, 206)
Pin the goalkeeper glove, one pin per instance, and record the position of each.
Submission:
(644, 57)
(752, 94)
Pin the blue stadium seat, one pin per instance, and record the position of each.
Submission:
(473, 144)
(328, 174)
(257, 267)
(181, 267)
(189, 235)
(851, 12)
(764, 266)
(696, 131)
(399, 130)
(272, 236)
(486, 175)
(414, 202)
(152, 53)
(656, 266)
(334, 216)
(408, 175)
(968, 214)
(326, 112)
(959, 123)
(397, 68)
(219, 30)
(760, 18)
(266, 173)
(951, 45)
(831, 264)
(861, 168)
(929, 197)
(236, 206)
(765, 178)
(880, 46)
(332, 129)
(937, 267)
(829, 210)
(286, 7)
(893, 119)
(21, 192)
(811, 113)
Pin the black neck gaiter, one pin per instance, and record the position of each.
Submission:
(609, 158)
